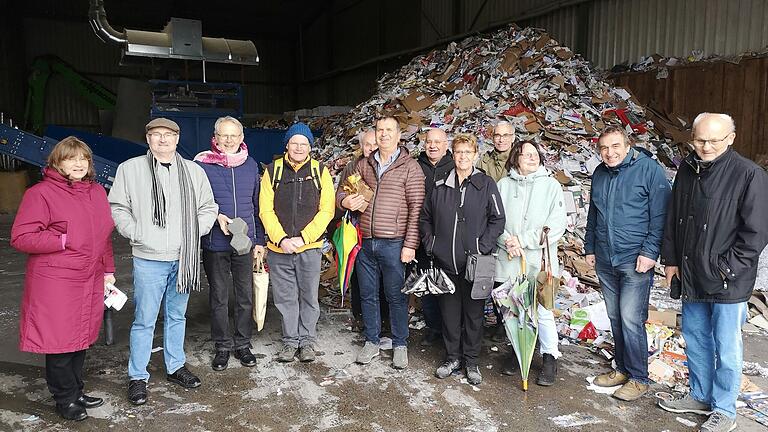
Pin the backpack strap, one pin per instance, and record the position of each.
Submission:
(277, 172)
(315, 168)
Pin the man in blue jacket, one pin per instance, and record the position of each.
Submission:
(625, 225)
(234, 178)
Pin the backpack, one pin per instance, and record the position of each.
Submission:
(277, 172)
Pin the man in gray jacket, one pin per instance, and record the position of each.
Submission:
(163, 204)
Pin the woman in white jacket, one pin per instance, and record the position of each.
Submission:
(533, 200)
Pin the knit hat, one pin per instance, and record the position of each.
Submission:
(299, 129)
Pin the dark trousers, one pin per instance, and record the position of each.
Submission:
(357, 309)
(225, 270)
(462, 322)
(64, 374)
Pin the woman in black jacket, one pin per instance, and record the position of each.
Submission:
(462, 216)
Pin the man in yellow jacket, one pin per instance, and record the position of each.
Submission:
(296, 203)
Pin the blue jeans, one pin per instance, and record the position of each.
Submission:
(626, 294)
(379, 267)
(154, 282)
(712, 333)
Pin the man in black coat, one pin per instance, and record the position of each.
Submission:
(716, 229)
(436, 162)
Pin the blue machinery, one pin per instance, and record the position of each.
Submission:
(194, 106)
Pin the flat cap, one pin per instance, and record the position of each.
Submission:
(162, 122)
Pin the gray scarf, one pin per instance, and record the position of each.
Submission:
(189, 259)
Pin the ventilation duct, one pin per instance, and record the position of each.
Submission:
(180, 39)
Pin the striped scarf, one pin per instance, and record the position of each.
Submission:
(189, 259)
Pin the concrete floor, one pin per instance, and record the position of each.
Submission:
(332, 394)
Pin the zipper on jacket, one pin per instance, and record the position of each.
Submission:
(453, 243)
(234, 191)
(612, 178)
(685, 238)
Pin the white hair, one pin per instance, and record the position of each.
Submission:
(362, 133)
(725, 118)
(504, 123)
(230, 119)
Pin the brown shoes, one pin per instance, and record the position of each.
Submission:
(630, 391)
(610, 379)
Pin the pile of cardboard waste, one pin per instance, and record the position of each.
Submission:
(551, 95)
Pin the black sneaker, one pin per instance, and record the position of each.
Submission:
(137, 392)
(220, 360)
(184, 378)
(246, 357)
(72, 411)
(86, 401)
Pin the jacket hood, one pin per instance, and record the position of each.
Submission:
(541, 172)
(635, 154)
(474, 178)
(54, 177)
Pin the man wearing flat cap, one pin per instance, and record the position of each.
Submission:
(295, 206)
(163, 204)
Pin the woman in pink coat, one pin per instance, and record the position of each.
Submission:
(64, 224)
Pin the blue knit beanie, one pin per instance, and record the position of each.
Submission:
(299, 129)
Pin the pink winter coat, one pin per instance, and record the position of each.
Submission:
(66, 228)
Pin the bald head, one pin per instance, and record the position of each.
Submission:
(436, 145)
(712, 135)
(367, 141)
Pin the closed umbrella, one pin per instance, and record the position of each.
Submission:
(517, 300)
(346, 240)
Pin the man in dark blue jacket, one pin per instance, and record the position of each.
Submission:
(625, 224)
(234, 178)
(715, 231)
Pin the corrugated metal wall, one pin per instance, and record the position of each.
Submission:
(621, 30)
(616, 30)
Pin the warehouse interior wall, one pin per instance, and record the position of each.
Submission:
(740, 90)
(335, 56)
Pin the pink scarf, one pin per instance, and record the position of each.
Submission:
(228, 160)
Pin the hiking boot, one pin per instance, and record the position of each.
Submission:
(137, 392)
(287, 353)
(369, 351)
(306, 354)
(220, 360)
(548, 371)
(446, 369)
(685, 404)
(246, 357)
(630, 391)
(431, 338)
(473, 375)
(610, 379)
(400, 357)
(184, 378)
(72, 411)
(718, 422)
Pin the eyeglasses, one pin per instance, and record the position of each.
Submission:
(298, 144)
(434, 142)
(699, 143)
(228, 137)
(532, 156)
(77, 159)
(158, 135)
(503, 136)
(464, 152)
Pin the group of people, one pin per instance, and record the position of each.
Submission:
(437, 210)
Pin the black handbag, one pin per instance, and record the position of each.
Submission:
(480, 269)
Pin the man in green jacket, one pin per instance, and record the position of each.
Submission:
(494, 162)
